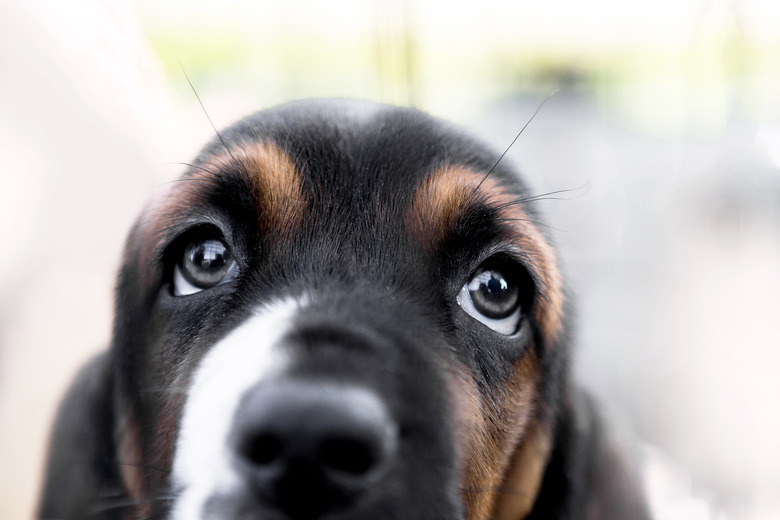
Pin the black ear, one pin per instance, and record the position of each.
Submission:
(588, 470)
(82, 478)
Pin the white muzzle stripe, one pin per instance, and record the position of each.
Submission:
(247, 355)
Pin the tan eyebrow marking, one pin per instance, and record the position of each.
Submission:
(447, 196)
(438, 204)
(270, 175)
(276, 183)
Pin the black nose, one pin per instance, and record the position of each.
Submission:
(310, 449)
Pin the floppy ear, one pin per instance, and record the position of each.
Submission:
(524, 477)
(81, 471)
(573, 467)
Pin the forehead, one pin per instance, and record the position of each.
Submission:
(355, 159)
(359, 183)
(349, 149)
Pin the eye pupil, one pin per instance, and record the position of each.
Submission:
(206, 263)
(496, 285)
(498, 295)
(493, 294)
(208, 255)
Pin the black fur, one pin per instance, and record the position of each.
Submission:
(396, 321)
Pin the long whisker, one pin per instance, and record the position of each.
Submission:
(515, 139)
(545, 196)
(224, 144)
(201, 168)
(536, 222)
(121, 501)
(205, 181)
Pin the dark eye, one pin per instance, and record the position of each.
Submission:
(493, 296)
(203, 264)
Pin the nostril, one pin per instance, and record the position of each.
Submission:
(328, 443)
(263, 449)
(353, 456)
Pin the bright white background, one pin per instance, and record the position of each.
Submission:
(668, 115)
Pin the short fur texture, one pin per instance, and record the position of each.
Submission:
(370, 219)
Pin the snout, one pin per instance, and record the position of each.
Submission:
(309, 449)
(301, 413)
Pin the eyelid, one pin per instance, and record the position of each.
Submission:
(183, 229)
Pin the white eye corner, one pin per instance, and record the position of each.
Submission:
(181, 287)
(506, 322)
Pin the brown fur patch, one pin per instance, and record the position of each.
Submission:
(164, 440)
(488, 433)
(270, 174)
(438, 204)
(277, 185)
(503, 447)
(467, 416)
(131, 466)
(524, 478)
(448, 195)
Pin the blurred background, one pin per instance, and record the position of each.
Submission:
(665, 126)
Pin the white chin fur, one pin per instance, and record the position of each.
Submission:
(247, 355)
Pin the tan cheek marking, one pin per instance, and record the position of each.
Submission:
(137, 480)
(510, 424)
(524, 478)
(472, 441)
(165, 439)
(487, 437)
(469, 421)
(131, 465)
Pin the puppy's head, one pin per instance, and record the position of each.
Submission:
(337, 313)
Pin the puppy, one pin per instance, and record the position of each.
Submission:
(342, 311)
